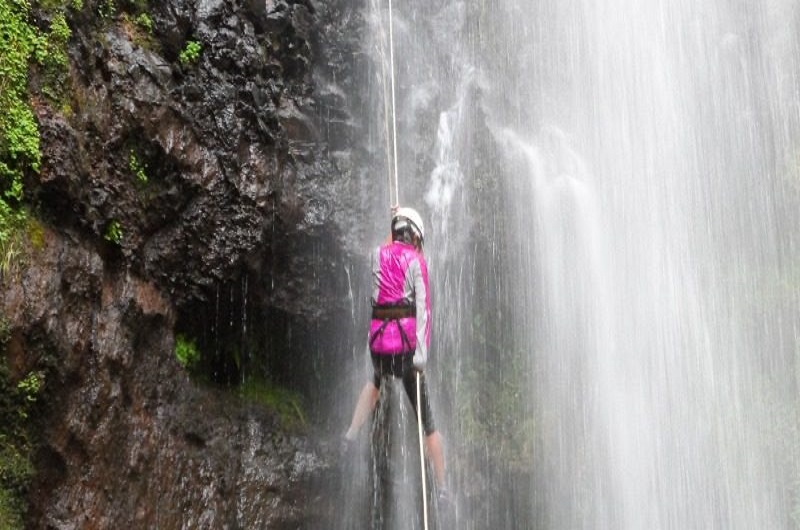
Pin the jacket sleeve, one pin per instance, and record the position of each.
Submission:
(376, 274)
(419, 276)
(375, 261)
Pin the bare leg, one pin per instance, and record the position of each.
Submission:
(435, 452)
(364, 407)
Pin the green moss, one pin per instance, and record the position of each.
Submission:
(11, 510)
(13, 238)
(106, 9)
(113, 233)
(19, 132)
(137, 168)
(22, 45)
(186, 352)
(16, 472)
(35, 233)
(55, 5)
(139, 29)
(53, 59)
(191, 53)
(285, 403)
(21, 236)
(17, 400)
(144, 22)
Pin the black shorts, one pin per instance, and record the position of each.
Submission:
(402, 365)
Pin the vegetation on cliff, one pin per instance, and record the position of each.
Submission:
(29, 42)
(172, 155)
(19, 134)
(17, 400)
(25, 44)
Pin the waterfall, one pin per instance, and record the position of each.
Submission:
(656, 395)
(613, 191)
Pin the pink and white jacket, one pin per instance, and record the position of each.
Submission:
(400, 278)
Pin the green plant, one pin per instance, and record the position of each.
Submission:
(106, 9)
(35, 233)
(137, 168)
(113, 232)
(29, 387)
(52, 56)
(139, 30)
(58, 37)
(19, 133)
(144, 22)
(191, 53)
(22, 43)
(11, 510)
(286, 404)
(51, 52)
(52, 6)
(16, 471)
(20, 237)
(16, 448)
(186, 352)
(13, 240)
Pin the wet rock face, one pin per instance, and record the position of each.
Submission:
(232, 170)
(231, 146)
(130, 442)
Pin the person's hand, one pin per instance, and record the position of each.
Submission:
(419, 362)
(393, 208)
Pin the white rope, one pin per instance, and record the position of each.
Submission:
(387, 132)
(394, 199)
(393, 175)
(422, 454)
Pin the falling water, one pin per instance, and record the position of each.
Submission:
(613, 191)
(655, 161)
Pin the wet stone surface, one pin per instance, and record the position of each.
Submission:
(240, 189)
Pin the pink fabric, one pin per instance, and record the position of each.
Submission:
(400, 275)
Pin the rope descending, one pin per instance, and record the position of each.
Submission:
(394, 187)
(394, 200)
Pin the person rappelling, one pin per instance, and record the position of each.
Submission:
(400, 330)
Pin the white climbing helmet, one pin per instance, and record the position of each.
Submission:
(408, 217)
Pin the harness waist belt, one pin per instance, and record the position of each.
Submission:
(393, 312)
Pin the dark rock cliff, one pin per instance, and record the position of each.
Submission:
(248, 157)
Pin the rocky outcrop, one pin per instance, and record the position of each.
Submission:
(230, 174)
(129, 440)
(235, 164)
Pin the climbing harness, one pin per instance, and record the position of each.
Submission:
(389, 313)
(393, 311)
